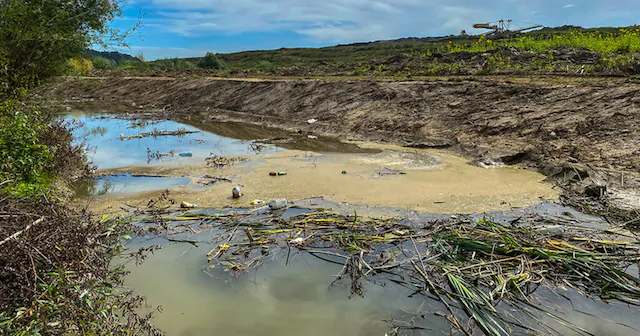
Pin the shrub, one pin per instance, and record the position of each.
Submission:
(212, 62)
(80, 66)
(102, 63)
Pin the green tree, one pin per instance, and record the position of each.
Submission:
(102, 63)
(37, 38)
(211, 61)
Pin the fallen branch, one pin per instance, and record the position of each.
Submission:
(17, 234)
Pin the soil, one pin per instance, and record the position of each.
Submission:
(585, 131)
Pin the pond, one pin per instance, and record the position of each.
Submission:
(293, 292)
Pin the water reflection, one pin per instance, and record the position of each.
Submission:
(276, 299)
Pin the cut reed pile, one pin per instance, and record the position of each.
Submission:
(478, 270)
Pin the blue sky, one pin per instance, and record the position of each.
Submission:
(183, 28)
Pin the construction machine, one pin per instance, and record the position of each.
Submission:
(502, 27)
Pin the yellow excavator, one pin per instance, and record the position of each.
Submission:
(501, 27)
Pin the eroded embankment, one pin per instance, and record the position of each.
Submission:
(563, 127)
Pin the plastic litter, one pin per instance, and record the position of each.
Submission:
(235, 192)
(257, 202)
(277, 204)
(183, 154)
(311, 121)
(273, 174)
(187, 205)
(312, 137)
(277, 174)
(344, 172)
(297, 241)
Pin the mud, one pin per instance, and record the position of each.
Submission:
(557, 126)
(433, 182)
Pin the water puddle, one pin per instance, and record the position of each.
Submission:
(127, 184)
(293, 297)
(291, 292)
(110, 150)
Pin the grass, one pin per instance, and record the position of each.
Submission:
(615, 48)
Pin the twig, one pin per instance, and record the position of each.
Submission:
(15, 235)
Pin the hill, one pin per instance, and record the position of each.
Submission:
(114, 56)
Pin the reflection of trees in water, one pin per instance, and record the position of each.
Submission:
(92, 187)
(98, 130)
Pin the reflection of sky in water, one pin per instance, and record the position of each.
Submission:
(135, 184)
(109, 151)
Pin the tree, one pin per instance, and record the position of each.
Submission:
(37, 38)
(211, 61)
(102, 63)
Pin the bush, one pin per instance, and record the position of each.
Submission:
(102, 63)
(80, 66)
(211, 62)
(24, 158)
(172, 64)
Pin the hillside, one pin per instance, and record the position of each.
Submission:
(114, 56)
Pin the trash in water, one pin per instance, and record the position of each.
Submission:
(277, 204)
(257, 202)
(235, 192)
(187, 205)
(311, 121)
(297, 241)
(387, 171)
(183, 154)
(312, 137)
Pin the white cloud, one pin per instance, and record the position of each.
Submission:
(356, 20)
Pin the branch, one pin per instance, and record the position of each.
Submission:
(15, 235)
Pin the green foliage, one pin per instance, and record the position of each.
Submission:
(102, 63)
(211, 62)
(37, 38)
(172, 64)
(24, 158)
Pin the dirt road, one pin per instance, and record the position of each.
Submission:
(558, 126)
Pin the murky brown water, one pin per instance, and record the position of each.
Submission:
(276, 299)
(434, 182)
(292, 296)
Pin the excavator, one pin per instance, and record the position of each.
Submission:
(502, 27)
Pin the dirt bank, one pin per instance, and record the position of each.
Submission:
(562, 127)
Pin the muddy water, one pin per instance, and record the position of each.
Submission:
(279, 298)
(431, 181)
(293, 296)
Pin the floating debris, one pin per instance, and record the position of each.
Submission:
(187, 205)
(208, 180)
(222, 161)
(387, 171)
(257, 202)
(278, 204)
(235, 192)
(158, 133)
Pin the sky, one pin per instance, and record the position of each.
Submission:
(185, 28)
